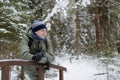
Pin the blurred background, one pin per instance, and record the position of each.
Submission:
(75, 27)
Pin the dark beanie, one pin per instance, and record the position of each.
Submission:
(37, 25)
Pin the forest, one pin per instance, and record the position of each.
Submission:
(78, 27)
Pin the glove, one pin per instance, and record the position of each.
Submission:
(37, 57)
(47, 65)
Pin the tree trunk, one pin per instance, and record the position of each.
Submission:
(77, 44)
(98, 29)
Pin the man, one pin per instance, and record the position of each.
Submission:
(37, 47)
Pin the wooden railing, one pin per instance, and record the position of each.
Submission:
(5, 68)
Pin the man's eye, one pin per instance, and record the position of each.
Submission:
(43, 30)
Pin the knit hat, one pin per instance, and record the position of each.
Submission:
(37, 25)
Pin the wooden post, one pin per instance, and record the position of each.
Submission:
(41, 72)
(60, 75)
(5, 73)
(22, 73)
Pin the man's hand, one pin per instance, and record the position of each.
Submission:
(47, 64)
(37, 57)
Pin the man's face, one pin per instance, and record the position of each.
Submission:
(42, 33)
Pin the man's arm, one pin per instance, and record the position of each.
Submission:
(24, 49)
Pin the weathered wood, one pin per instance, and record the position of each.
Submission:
(5, 67)
(5, 73)
(61, 75)
(22, 73)
(41, 72)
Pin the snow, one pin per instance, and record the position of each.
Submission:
(89, 68)
(24, 25)
(60, 5)
(84, 68)
(4, 30)
(85, 2)
(10, 8)
(79, 70)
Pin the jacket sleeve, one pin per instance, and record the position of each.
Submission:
(49, 53)
(24, 49)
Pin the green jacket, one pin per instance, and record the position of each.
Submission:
(36, 45)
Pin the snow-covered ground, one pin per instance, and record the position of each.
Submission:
(89, 68)
(85, 68)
